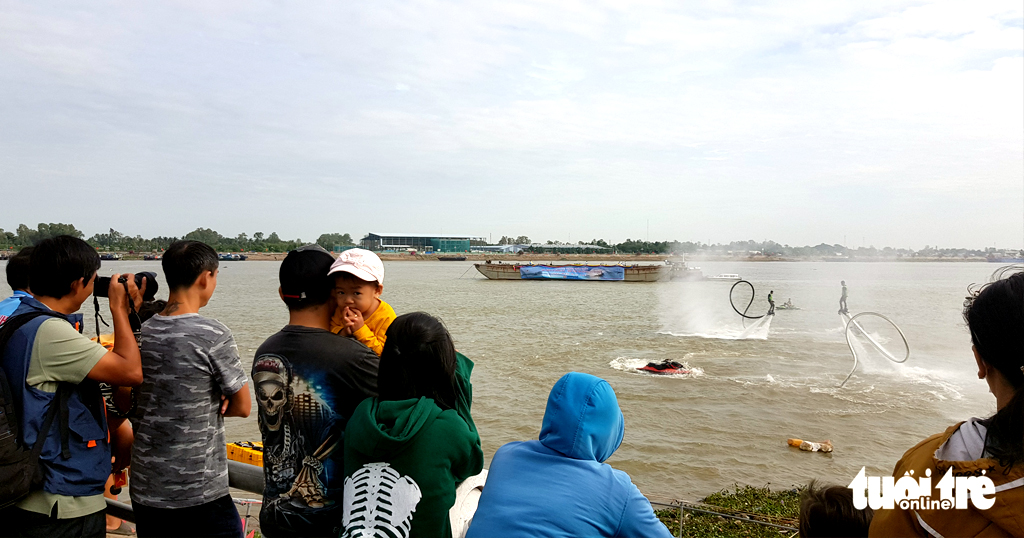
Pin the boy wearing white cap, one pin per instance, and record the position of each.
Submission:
(358, 283)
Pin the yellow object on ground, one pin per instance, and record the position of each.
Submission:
(246, 452)
(105, 340)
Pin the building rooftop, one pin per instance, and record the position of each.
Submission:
(441, 236)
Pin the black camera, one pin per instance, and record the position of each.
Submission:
(103, 285)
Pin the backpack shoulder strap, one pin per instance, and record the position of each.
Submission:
(6, 332)
(14, 323)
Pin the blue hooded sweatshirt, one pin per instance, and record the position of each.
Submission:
(557, 486)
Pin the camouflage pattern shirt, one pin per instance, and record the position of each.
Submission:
(179, 458)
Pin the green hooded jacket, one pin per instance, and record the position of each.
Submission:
(403, 460)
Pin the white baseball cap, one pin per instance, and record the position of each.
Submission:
(360, 263)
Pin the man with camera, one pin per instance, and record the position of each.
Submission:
(50, 365)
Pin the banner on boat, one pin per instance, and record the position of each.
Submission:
(572, 272)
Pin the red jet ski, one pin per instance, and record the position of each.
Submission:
(665, 368)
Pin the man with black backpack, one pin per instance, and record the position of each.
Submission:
(54, 456)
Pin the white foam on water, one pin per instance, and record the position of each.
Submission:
(757, 331)
(631, 365)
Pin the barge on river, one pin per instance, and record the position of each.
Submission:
(577, 271)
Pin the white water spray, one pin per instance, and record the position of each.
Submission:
(851, 322)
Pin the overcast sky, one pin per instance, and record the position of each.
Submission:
(885, 123)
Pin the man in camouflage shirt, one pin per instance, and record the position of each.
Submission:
(193, 378)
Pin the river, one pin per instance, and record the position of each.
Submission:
(728, 420)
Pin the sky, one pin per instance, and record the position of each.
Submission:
(895, 123)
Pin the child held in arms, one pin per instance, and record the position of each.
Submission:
(361, 314)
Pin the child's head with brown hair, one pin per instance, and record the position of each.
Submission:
(828, 511)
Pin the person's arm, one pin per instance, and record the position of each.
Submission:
(464, 390)
(238, 404)
(230, 377)
(361, 372)
(122, 365)
(369, 339)
(468, 457)
(638, 519)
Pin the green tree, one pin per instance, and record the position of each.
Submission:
(53, 229)
(7, 239)
(107, 241)
(26, 236)
(205, 235)
(329, 241)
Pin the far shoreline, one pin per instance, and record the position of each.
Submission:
(645, 258)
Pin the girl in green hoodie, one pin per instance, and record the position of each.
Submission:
(406, 450)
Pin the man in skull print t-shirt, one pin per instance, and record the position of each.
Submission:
(307, 381)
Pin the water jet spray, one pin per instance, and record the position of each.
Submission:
(852, 322)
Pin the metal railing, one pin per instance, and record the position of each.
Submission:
(240, 476)
(781, 524)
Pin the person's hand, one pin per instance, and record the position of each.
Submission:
(224, 402)
(353, 319)
(137, 293)
(116, 293)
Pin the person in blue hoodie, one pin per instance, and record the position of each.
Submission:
(558, 486)
(17, 278)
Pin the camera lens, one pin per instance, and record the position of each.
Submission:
(151, 285)
(102, 285)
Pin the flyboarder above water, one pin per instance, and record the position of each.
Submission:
(842, 299)
(771, 304)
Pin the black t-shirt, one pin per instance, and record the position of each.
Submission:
(307, 383)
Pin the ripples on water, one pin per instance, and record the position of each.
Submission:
(751, 387)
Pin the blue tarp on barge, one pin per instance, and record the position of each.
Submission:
(572, 272)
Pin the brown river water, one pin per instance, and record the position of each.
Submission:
(749, 390)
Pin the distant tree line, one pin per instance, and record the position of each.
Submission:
(773, 249)
(115, 241)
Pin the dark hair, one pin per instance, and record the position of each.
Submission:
(304, 279)
(58, 262)
(994, 313)
(827, 511)
(184, 261)
(418, 360)
(18, 269)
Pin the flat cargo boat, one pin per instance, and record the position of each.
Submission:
(579, 271)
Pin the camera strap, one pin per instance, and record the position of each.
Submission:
(133, 315)
(99, 318)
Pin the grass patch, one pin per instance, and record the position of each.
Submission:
(780, 507)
